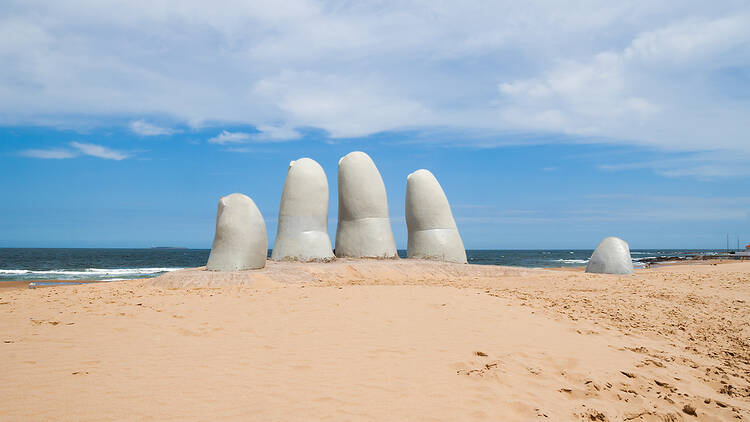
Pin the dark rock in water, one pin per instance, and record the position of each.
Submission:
(658, 259)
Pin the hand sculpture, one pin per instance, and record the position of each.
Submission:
(240, 242)
(364, 228)
(432, 230)
(303, 216)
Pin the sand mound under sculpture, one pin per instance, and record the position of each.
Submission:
(432, 230)
(364, 228)
(303, 215)
(240, 242)
(612, 256)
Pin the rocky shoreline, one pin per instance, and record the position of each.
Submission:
(683, 258)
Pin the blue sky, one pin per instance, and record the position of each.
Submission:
(121, 123)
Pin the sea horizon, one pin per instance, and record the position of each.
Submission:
(118, 264)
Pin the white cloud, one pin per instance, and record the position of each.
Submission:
(656, 91)
(276, 133)
(99, 151)
(226, 137)
(691, 40)
(344, 106)
(79, 149)
(56, 154)
(633, 72)
(143, 128)
(266, 133)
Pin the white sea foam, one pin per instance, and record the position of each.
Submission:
(572, 261)
(91, 272)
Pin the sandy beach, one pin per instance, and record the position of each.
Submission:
(382, 340)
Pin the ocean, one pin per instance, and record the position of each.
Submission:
(31, 264)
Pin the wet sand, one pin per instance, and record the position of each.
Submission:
(14, 284)
(43, 283)
(382, 340)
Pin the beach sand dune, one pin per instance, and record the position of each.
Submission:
(382, 340)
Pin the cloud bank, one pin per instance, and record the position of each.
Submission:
(654, 74)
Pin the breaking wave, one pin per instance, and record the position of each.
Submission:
(88, 273)
(572, 261)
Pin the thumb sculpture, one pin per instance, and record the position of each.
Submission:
(364, 228)
(612, 256)
(303, 216)
(240, 242)
(432, 230)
